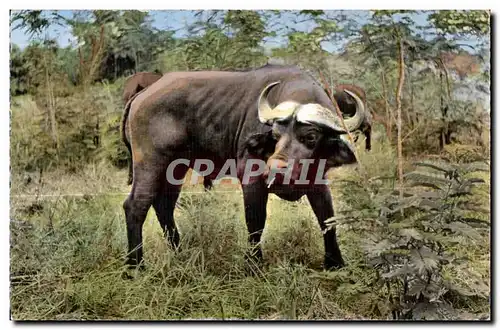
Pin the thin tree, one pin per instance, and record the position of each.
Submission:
(401, 78)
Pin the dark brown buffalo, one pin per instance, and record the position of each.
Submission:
(347, 104)
(275, 114)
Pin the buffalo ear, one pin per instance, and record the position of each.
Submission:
(338, 152)
(260, 145)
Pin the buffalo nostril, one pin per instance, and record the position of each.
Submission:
(282, 165)
(278, 164)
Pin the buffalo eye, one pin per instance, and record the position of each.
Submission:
(309, 140)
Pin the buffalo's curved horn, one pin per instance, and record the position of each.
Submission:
(267, 113)
(355, 121)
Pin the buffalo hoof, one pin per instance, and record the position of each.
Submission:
(127, 274)
(331, 264)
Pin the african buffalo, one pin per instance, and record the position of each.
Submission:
(273, 115)
(347, 105)
(133, 85)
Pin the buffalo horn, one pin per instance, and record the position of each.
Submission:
(355, 121)
(268, 114)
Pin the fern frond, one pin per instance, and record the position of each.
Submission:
(437, 166)
(406, 269)
(411, 233)
(475, 167)
(428, 180)
(463, 229)
(424, 259)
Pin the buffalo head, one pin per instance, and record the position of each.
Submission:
(302, 135)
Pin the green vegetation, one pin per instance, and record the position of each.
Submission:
(414, 249)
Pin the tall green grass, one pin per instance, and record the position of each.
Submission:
(67, 260)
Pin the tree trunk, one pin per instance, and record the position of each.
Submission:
(409, 119)
(414, 117)
(115, 65)
(444, 132)
(399, 119)
(388, 116)
(51, 107)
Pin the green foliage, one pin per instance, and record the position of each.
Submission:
(314, 13)
(411, 242)
(18, 72)
(31, 146)
(34, 21)
(462, 153)
(87, 130)
(461, 21)
(247, 25)
(131, 43)
(305, 47)
(112, 148)
(430, 106)
(225, 40)
(380, 14)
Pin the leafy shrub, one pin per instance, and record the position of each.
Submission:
(463, 153)
(86, 129)
(413, 242)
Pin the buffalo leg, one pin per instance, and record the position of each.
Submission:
(368, 142)
(255, 201)
(322, 205)
(207, 183)
(164, 205)
(145, 187)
